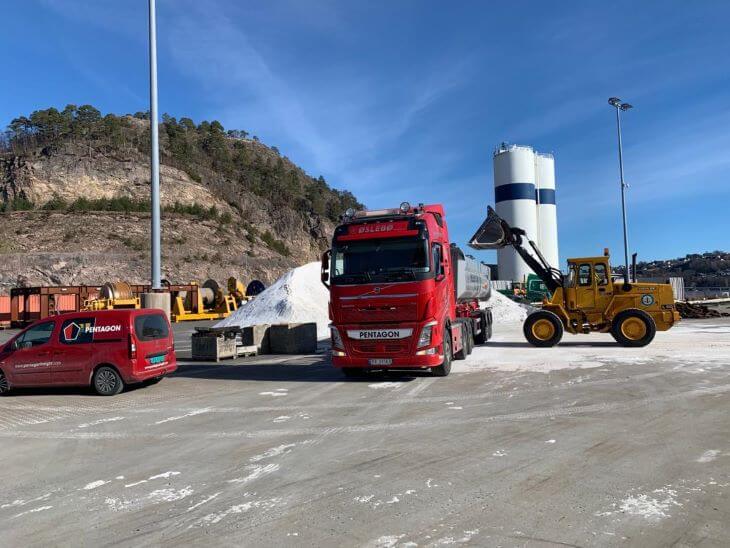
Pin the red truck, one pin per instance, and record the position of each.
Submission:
(105, 349)
(402, 296)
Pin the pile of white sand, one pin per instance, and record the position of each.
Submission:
(297, 297)
(504, 309)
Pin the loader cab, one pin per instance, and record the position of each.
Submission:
(588, 286)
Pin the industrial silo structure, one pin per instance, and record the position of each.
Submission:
(524, 196)
(514, 198)
(547, 215)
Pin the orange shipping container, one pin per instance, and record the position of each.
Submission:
(65, 303)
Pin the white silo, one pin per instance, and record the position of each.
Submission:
(514, 197)
(547, 215)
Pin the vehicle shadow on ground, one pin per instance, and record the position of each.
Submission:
(318, 371)
(525, 344)
(85, 391)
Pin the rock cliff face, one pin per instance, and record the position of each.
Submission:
(75, 212)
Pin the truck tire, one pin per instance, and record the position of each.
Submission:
(469, 336)
(543, 329)
(106, 381)
(483, 335)
(353, 372)
(633, 328)
(461, 354)
(445, 368)
(4, 384)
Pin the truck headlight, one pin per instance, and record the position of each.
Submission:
(425, 338)
(336, 339)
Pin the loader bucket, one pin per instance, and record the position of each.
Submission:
(494, 233)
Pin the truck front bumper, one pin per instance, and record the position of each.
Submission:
(379, 362)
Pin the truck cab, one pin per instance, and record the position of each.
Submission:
(393, 303)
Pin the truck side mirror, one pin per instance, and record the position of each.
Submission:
(326, 268)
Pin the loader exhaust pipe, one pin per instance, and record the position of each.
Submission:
(633, 266)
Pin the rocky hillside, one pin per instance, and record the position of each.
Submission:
(74, 191)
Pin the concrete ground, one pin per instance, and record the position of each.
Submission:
(586, 444)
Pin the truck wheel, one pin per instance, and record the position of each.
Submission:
(107, 382)
(445, 368)
(353, 372)
(461, 354)
(543, 328)
(633, 328)
(4, 384)
(483, 335)
(469, 337)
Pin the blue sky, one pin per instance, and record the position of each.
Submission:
(406, 100)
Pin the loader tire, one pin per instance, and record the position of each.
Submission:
(543, 329)
(633, 328)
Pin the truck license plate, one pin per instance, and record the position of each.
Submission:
(380, 361)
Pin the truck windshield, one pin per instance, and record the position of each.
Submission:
(376, 261)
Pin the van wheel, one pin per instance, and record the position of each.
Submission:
(107, 381)
(543, 328)
(4, 384)
(633, 328)
(445, 368)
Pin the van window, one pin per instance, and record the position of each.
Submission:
(150, 327)
(36, 336)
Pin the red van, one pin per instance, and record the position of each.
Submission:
(105, 349)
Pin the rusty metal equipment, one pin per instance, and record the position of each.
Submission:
(28, 304)
(206, 302)
(114, 295)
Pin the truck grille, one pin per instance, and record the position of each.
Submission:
(399, 347)
(386, 313)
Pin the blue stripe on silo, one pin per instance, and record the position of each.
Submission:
(545, 196)
(514, 191)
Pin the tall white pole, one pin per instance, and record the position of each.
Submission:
(623, 195)
(154, 153)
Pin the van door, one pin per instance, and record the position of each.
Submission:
(154, 340)
(32, 355)
(75, 352)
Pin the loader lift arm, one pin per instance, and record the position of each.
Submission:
(496, 233)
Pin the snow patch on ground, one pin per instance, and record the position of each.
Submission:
(378, 385)
(255, 472)
(212, 519)
(708, 456)
(186, 415)
(100, 421)
(652, 506)
(94, 485)
(297, 297)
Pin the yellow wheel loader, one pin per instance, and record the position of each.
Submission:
(587, 299)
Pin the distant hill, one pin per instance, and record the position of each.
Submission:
(711, 269)
(74, 201)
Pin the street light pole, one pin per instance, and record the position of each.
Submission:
(616, 102)
(154, 154)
